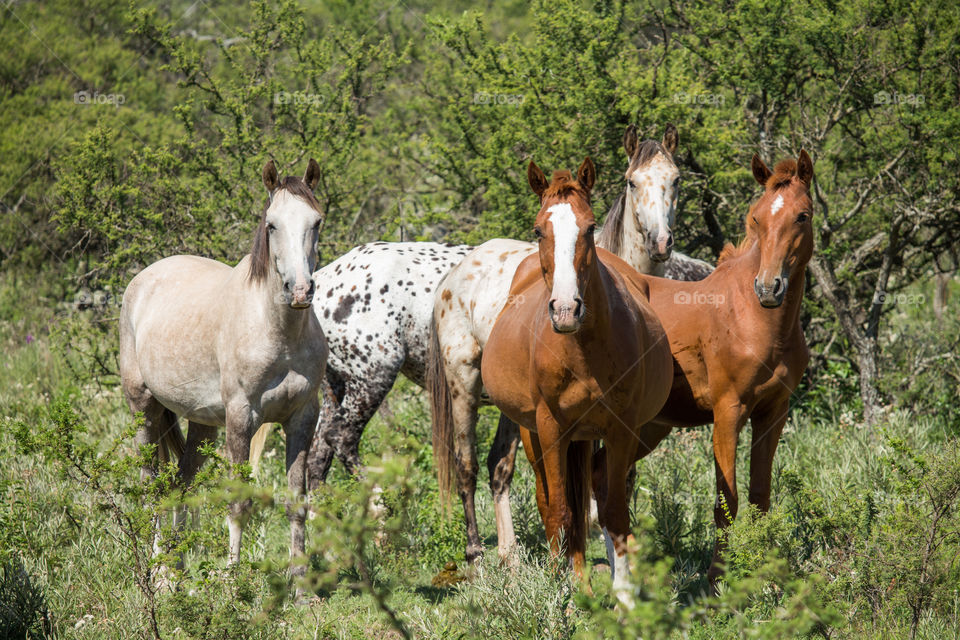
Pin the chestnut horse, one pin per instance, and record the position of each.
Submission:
(737, 343)
(576, 355)
(638, 228)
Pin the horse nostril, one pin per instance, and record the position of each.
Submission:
(777, 286)
(670, 241)
(579, 308)
(550, 306)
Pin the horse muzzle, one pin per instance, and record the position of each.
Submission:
(300, 295)
(771, 294)
(662, 249)
(567, 316)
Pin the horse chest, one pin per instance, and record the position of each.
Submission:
(288, 388)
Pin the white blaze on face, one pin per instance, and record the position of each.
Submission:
(565, 232)
(776, 206)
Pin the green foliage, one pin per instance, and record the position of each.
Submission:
(200, 610)
(135, 132)
(23, 607)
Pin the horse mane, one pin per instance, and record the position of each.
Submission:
(646, 151)
(783, 174)
(563, 185)
(611, 234)
(260, 250)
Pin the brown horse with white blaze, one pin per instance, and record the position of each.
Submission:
(577, 355)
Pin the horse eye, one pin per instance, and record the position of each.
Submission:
(591, 229)
(270, 227)
(802, 217)
(538, 234)
(755, 220)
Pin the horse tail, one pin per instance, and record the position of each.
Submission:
(579, 455)
(441, 415)
(172, 440)
(257, 443)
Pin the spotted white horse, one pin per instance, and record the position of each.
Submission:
(638, 228)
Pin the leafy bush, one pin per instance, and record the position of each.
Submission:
(23, 607)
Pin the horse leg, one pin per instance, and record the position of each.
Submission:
(559, 521)
(766, 425)
(534, 452)
(156, 420)
(500, 465)
(299, 430)
(616, 516)
(728, 419)
(321, 451)
(241, 423)
(198, 435)
(361, 399)
(464, 386)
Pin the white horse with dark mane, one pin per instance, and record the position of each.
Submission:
(232, 347)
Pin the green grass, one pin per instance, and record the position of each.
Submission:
(837, 492)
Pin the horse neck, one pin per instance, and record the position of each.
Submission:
(279, 317)
(632, 246)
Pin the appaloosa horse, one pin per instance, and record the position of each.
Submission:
(232, 346)
(577, 355)
(638, 228)
(375, 304)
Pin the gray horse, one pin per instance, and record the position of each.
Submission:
(232, 347)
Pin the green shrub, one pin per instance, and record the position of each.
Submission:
(23, 607)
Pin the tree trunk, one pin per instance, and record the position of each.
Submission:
(864, 344)
(867, 352)
(941, 292)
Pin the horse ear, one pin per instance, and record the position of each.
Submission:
(804, 168)
(670, 139)
(312, 176)
(630, 140)
(587, 174)
(538, 181)
(760, 170)
(270, 178)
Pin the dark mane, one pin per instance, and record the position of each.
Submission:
(612, 232)
(645, 152)
(260, 250)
